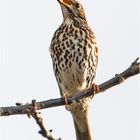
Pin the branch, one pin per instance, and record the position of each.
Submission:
(36, 115)
(129, 72)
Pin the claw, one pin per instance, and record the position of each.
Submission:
(65, 98)
(95, 88)
(66, 101)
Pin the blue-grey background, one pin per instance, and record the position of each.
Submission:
(26, 30)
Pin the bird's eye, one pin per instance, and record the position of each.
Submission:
(77, 5)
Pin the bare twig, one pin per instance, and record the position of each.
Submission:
(14, 110)
(36, 115)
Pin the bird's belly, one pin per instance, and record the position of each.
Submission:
(74, 79)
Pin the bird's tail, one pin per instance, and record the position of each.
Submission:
(80, 118)
(82, 133)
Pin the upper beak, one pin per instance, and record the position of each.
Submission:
(66, 3)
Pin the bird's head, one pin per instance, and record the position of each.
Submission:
(72, 9)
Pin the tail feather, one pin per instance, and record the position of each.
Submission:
(79, 113)
(82, 135)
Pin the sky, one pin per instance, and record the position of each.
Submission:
(26, 31)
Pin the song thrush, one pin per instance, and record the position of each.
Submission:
(74, 55)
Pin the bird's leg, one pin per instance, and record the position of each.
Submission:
(65, 96)
(95, 88)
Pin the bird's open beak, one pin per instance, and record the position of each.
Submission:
(66, 3)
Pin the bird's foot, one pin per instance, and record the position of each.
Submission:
(95, 88)
(65, 96)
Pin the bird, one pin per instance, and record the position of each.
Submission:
(74, 53)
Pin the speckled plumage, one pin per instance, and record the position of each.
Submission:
(74, 55)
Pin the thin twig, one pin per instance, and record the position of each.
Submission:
(37, 116)
(129, 72)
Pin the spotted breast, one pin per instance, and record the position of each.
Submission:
(74, 54)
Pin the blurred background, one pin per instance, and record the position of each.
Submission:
(26, 31)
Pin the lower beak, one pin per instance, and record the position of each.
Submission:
(66, 3)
